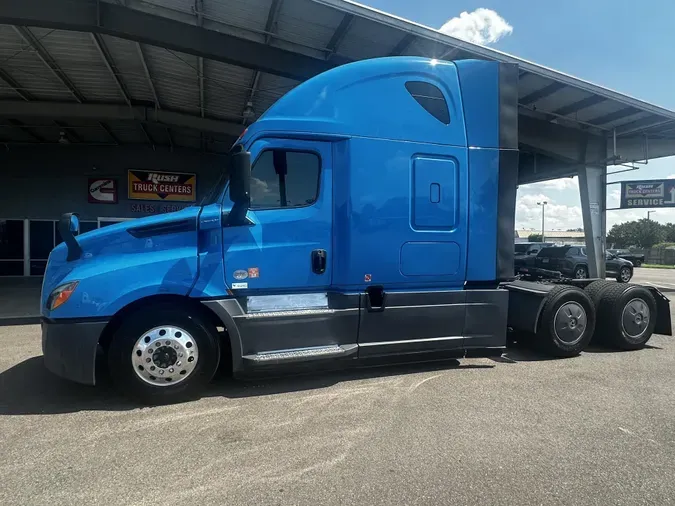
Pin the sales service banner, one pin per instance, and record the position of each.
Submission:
(655, 193)
(165, 186)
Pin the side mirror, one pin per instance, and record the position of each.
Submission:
(69, 226)
(74, 224)
(240, 178)
(240, 189)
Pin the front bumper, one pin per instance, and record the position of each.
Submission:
(69, 348)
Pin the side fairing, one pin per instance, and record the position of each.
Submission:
(126, 262)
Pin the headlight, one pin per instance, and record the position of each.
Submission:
(60, 295)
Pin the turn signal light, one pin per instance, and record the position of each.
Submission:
(60, 295)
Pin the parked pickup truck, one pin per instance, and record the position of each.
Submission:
(637, 259)
(367, 216)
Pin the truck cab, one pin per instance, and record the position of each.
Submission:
(368, 214)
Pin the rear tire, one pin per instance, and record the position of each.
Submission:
(596, 290)
(163, 353)
(628, 313)
(638, 263)
(566, 323)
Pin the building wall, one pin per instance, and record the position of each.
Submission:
(46, 181)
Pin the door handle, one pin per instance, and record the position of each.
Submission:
(319, 261)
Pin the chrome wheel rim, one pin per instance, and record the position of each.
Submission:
(570, 322)
(164, 356)
(635, 318)
(580, 274)
(625, 275)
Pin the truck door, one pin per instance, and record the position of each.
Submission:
(280, 266)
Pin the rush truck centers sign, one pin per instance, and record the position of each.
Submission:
(166, 186)
(654, 193)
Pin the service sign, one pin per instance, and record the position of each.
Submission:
(655, 193)
(165, 186)
(102, 191)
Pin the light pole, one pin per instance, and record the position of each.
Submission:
(648, 213)
(543, 213)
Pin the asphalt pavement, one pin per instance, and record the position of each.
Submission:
(663, 279)
(596, 429)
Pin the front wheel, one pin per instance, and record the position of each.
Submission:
(580, 272)
(163, 353)
(625, 275)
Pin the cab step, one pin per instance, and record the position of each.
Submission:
(302, 354)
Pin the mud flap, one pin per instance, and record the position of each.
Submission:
(663, 323)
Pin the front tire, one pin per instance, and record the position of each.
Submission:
(628, 313)
(580, 272)
(567, 322)
(625, 275)
(163, 353)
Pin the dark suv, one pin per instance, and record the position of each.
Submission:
(637, 259)
(525, 253)
(572, 262)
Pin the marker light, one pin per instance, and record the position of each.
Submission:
(60, 295)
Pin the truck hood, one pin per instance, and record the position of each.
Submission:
(116, 246)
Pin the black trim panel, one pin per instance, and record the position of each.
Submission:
(486, 317)
(508, 106)
(171, 227)
(69, 348)
(506, 213)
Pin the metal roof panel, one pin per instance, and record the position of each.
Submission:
(78, 58)
(175, 76)
(226, 89)
(366, 39)
(124, 54)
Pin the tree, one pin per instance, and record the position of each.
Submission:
(534, 238)
(669, 232)
(643, 233)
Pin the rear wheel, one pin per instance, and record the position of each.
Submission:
(628, 313)
(638, 263)
(625, 275)
(163, 353)
(567, 322)
(596, 290)
(580, 272)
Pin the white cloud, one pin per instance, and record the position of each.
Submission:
(672, 176)
(567, 183)
(482, 26)
(558, 216)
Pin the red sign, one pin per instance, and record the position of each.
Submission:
(102, 191)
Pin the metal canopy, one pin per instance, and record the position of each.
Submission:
(192, 73)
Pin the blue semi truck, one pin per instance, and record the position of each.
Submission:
(367, 216)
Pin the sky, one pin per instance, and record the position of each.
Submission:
(624, 46)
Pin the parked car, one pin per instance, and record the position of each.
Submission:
(572, 262)
(525, 253)
(637, 259)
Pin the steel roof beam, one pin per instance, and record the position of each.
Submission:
(106, 112)
(339, 34)
(270, 27)
(541, 93)
(579, 105)
(110, 65)
(613, 116)
(148, 77)
(37, 46)
(109, 132)
(147, 134)
(402, 45)
(25, 129)
(119, 21)
(16, 87)
(643, 124)
(199, 11)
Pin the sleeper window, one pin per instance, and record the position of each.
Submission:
(431, 98)
(281, 178)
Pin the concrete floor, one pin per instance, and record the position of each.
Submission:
(597, 429)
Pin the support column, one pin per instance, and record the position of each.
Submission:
(592, 187)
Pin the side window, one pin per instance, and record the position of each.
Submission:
(431, 98)
(281, 178)
(572, 252)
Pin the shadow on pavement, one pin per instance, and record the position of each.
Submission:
(29, 388)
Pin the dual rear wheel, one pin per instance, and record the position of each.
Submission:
(617, 315)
